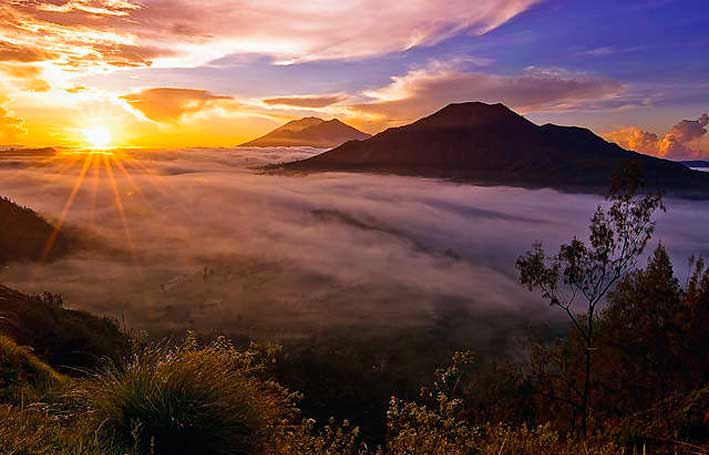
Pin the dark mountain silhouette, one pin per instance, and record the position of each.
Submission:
(24, 234)
(309, 132)
(491, 144)
(696, 163)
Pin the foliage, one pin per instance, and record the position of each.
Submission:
(586, 272)
(186, 399)
(305, 439)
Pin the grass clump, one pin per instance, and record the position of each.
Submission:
(24, 377)
(185, 400)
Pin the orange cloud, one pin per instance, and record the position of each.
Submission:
(306, 101)
(171, 105)
(10, 127)
(10, 52)
(682, 141)
(28, 77)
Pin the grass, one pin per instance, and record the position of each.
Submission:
(183, 400)
(23, 376)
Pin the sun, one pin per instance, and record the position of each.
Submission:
(98, 137)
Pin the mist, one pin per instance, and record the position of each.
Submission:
(200, 238)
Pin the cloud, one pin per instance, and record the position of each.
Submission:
(26, 76)
(306, 101)
(11, 127)
(170, 105)
(680, 142)
(100, 34)
(424, 90)
(11, 52)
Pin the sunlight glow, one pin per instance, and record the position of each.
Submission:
(98, 137)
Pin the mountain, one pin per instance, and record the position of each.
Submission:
(24, 234)
(697, 163)
(491, 144)
(17, 152)
(308, 132)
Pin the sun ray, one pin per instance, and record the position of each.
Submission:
(65, 210)
(117, 200)
(94, 195)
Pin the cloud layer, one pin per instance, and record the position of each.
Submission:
(680, 142)
(205, 241)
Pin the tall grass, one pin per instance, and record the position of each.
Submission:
(183, 400)
(23, 376)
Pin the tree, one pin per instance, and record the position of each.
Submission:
(640, 334)
(582, 273)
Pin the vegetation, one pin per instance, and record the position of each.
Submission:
(68, 340)
(586, 272)
(627, 375)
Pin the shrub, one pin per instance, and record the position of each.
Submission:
(185, 400)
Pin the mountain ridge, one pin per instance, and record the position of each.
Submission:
(491, 144)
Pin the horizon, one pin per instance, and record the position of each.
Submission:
(162, 74)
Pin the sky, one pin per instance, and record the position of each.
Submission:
(176, 73)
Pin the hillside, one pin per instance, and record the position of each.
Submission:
(491, 144)
(24, 234)
(64, 338)
(308, 132)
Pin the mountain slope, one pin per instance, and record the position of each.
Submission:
(64, 338)
(492, 144)
(309, 132)
(24, 234)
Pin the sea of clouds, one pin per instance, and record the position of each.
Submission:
(202, 238)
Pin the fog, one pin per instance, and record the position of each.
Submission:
(200, 238)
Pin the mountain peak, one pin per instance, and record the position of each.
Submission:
(474, 114)
(309, 132)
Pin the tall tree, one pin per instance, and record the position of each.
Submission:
(582, 273)
(640, 332)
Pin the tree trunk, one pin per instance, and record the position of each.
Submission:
(586, 392)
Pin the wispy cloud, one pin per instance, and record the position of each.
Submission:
(317, 101)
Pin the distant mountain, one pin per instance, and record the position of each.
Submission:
(45, 151)
(308, 132)
(24, 234)
(491, 144)
(697, 163)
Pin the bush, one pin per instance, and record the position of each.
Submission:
(185, 400)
